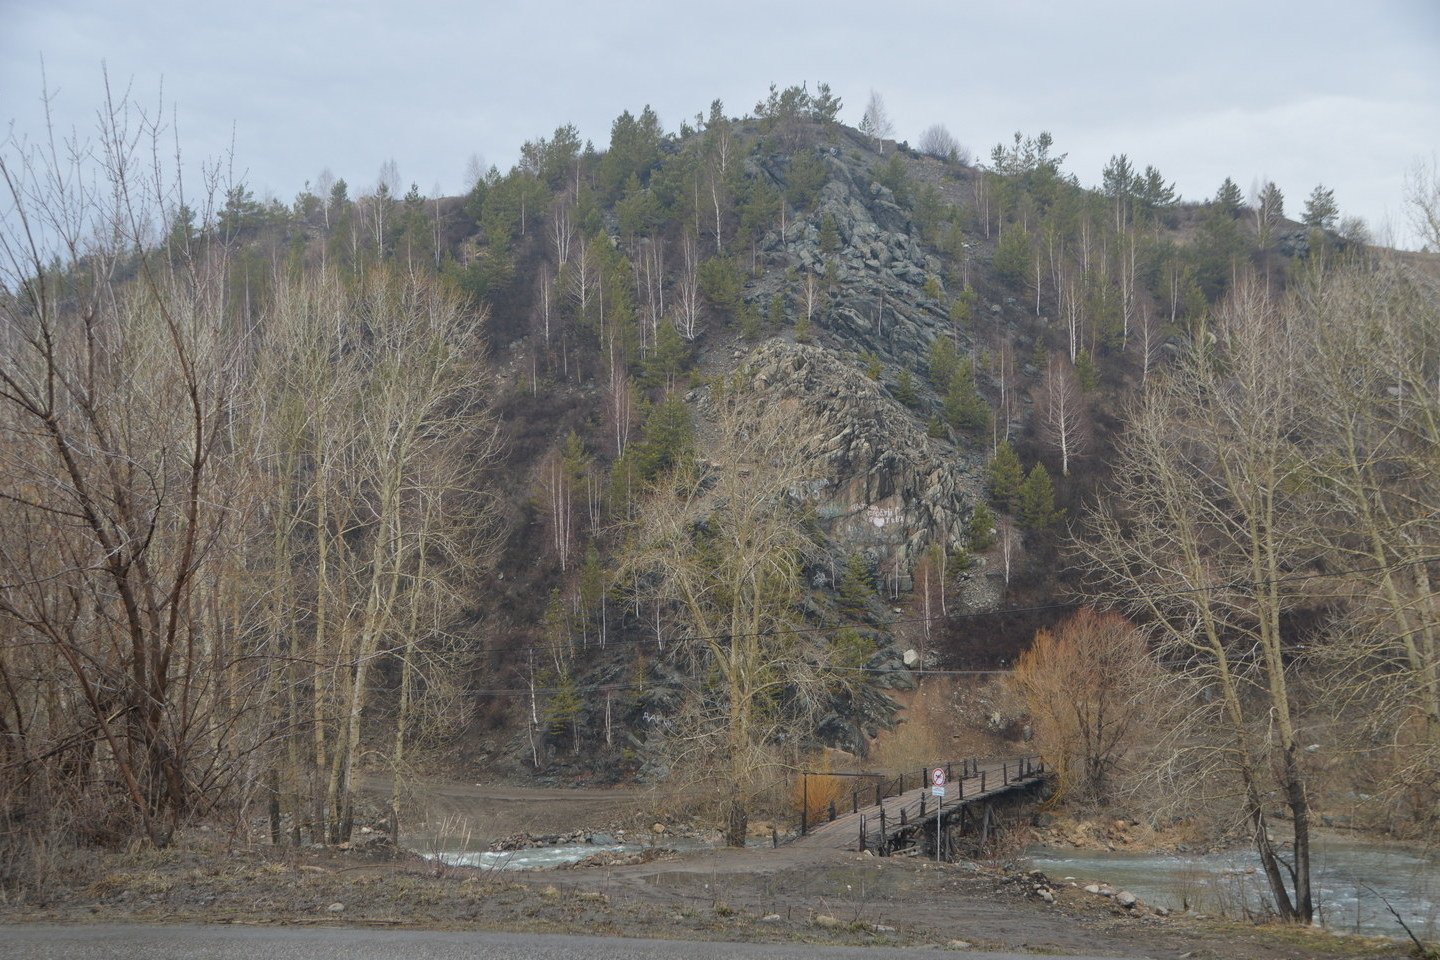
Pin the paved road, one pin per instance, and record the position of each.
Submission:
(126, 942)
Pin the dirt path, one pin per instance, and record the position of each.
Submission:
(796, 893)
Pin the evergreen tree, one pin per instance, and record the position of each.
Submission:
(1153, 192)
(803, 330)
(962, 309)
(856, 587)
(1006, 477)
(668, 358)
(829, 236)
(668, 438)
(751, 327)
(1320, 209)
(982, 529)
(1012, 256)
(1229, 199)
(965, 409)
(943, 360)
(1036, 506)
(637, 212)
(905, 388)
(721, 283)
(562, 713)
(775, 312)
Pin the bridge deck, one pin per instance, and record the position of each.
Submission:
(980, 782)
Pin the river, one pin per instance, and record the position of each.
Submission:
(1352, 882)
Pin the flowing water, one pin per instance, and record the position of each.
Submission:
(1352, 882)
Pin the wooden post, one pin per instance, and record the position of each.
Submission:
(902, 816)
(1004, 774)
(960, 788)
(862, 833)
(832, 811)
(982, 781)
(854, 801)
(878, 798)
(922, 806)
(805, 804)
(950, 771)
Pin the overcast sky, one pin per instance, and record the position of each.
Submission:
(1343, 93)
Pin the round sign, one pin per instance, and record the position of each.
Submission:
(937, 776)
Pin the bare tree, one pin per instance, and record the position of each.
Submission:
(114, 400)
(1422, 196)
(377, 497)
(687, 300)
(1194, 540)
(1087, 686)
(1067, 424)
(562, 233)
(722, 544)
(876, 122)
(938, 142)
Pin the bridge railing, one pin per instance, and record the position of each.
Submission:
(873, 789)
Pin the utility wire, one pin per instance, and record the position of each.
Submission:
(966, 615)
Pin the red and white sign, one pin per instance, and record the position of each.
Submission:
(937, 776)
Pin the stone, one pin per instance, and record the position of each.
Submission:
(336, 908)
(770, 918)
(1092, 888)
(1126, 899)
(657, 828)
(1045, 895)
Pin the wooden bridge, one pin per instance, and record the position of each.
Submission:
(895, 813)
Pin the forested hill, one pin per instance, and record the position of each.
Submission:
(695, 445)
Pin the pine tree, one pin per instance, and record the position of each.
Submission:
(803, 330)
(668, 438)
(1012, 256)
(943, 360)
(905, 388)
(829, 236)
(1036, 507)
(775, 312)
(856, 587)
(1320, 209)
(562, 713)
(965, 409)
(1229, 199)
(982, 529)
(1006, 477)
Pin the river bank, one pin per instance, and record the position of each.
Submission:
(759, 895)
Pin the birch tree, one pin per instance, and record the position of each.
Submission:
(1066, 425)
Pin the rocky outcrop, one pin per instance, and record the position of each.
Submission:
(889, 489)
(878, 303)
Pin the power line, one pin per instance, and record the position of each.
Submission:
(966, 615)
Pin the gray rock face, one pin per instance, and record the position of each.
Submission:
(879, 304)
(889, 489)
